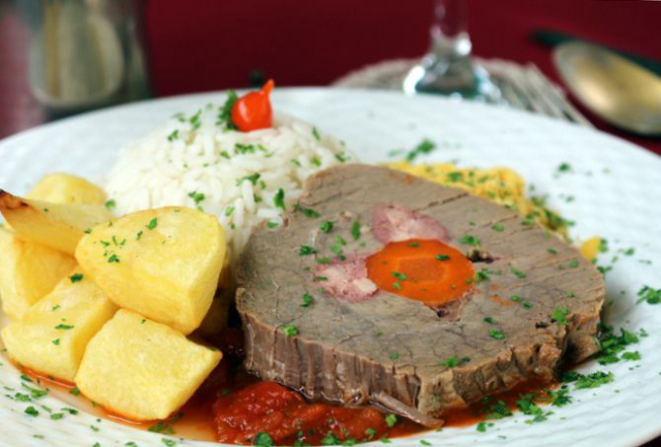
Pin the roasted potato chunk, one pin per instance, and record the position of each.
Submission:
(142, 369)
(28, 271)
(52, 336)
(163, 263)
(55, 225)
(67, 189)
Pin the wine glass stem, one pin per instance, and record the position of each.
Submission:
(449, 33)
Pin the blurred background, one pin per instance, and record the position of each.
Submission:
(171, 47)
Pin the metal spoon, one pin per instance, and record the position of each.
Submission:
(613, 88)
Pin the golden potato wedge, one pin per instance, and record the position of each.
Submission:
(55, 225)
(68, 189)
(163, 263)
(28, 271)
(52, 336)
(142, 369)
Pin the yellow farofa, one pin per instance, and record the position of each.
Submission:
(501, 185)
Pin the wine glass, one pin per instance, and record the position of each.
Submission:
(447, 68)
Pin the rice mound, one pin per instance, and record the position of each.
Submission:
(195, 161)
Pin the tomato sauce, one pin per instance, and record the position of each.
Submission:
(233, 406)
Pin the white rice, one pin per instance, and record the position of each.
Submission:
(178, 162)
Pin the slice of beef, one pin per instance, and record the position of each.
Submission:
(387, 349)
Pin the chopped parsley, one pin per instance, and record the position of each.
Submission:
(559, 398)
(498, 410)
(306, 250)
(594, 380)
(498, 227)
(454, 361)
(527, 406)
(340, 240)
(326, 226)
(197, 197)
(290, 330)
(253, 178)
(229, 210)
(31, 411)
(553, 251)
(113, 259)
(56, 342)
(518, 273)
(650, 295)
(263, 440)
(613, 345)
(341, 158)
(173, 136)
(76, 277)
(424, 147)
(564, 167)
(74, 391)
(152, 223)
(394, 355)
(307, 300)
(573, 263)
(272, 225)
(279, 199)
(309, 212)
(560, 315)
(323, 260)
(64, 327)
(442, 257)
(400, 276)
(110, 204)
(244, 148)
(224, 119)
(489, 320)
(315, 133)
(391, 420)
(138, 236)
(498, 335)
(355, 230)
(396, 285)
(469, 240)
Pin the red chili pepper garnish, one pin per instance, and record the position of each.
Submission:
(253, 111)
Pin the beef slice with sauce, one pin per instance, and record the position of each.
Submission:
(375, 347)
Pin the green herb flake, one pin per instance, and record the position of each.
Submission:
(649, 295)
(326, 226)
(498, 335)
(76, 277)
(272, 225)
(498, 227)
(323, 260)
(64, 327)
(400, 276)
(442, 257)
(229, 210)
(306, 250)
(315, 133)
(57, 416)
(424, 147)
(197, 197)
(573, 263)
(263, 440)
(74, 391)
(139, 235)
(307, 300)
(152, 223)
(110, 204)
(290, 330)
(397, 286)
(56, 342)
(394, 355)
(279, 199)
(113, 259)
(31, 411)
(355, 230)
(391, 420)
(560, 315)
(553, 251)
(469, 240)
(518, 273)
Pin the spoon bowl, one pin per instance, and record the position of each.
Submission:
(613, 88)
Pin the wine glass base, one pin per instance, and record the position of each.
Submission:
(460, 79)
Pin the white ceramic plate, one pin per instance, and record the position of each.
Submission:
(617, 196)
